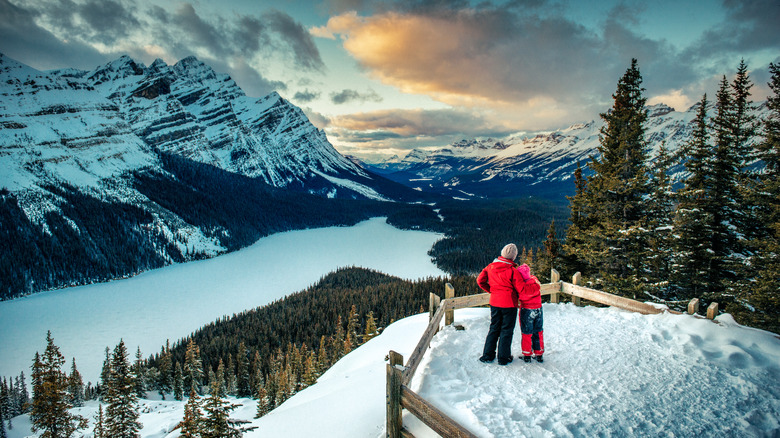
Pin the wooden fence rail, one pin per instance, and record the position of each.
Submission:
(400, 397)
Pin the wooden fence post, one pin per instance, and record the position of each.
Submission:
(449, 293)
(554, 278)
(693, 306)
(576, 279)
(712, 310)
(433, 304)
(394, 409)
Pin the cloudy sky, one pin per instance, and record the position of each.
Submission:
(383, 76)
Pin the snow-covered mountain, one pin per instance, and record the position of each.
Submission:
(540, 165)
(127, 167)
(85, 126)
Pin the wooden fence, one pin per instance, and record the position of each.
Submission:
(400, 397)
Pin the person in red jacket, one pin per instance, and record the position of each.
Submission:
(531, 321)
(502, 281)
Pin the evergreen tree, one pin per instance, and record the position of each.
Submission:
(548, 258)
(616, 192)
(692, 263)
(244, 387)
(122, 404)
(763, 295)
(193, 367)
(371, 330)
(577, 233)
(661, 205)
(139, 374)
(75, 386)
(727, 165)
(21, 396)
(99, 431)
(178, 382)
(105, 373)
(353, 322)
(50, 403)
(216, 420)
(323, 356)
(193, 416)
(263, 401)
(3, 433)
(165, 369)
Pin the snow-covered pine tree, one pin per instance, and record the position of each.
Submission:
(122, 404)
(50, 403)
(105, 374)
(727, 166)
(693, 218)
(216, 419)
(75, 386)
(99, 431)
(763, 295)
(660, 210)
(193, 367)
(193, 416)
(617, 189)
(3, 433)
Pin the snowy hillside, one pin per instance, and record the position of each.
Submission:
(607, 372)
(540, 165)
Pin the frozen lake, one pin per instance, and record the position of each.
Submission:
(172, 302)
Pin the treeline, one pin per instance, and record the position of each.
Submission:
(284, 346)
(268, 353)
(477, 230)
(93, 239)
(715, 237)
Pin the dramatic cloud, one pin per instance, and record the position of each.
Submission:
(345, 96)
(306, 96)
(99, 30)
(417, 123)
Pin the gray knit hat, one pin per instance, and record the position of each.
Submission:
(509, 251)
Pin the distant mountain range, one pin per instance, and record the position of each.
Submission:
(127, 167)
(541, 165)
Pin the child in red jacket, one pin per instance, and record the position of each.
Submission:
(530, 303)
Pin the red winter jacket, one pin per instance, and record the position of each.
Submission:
(502, 281)
(531, 292)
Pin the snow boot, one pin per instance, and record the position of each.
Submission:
(539, 359)
(527, 359)
(485, 359)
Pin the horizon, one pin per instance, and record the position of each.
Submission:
(385, 77)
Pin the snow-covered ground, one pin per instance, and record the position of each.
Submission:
(172, 302)
(607, 372)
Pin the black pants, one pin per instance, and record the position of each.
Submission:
(502, 327)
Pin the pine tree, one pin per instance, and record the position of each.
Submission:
(165, 377)
(661, 205)
(577, 232)
(3, 433)
(371, 330)
(193, 367)
(725, 193)
(244, 387)
(178, 382)
(216, 420)
(763, 295)
(263, 401)
(193, 416)
(105, 373)
(548, 258)
(616, 191)
(75, 386)
(693, 220)
(139, 374)
(99, 431)
(352, 327)
(122, 404)
(50, 404)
